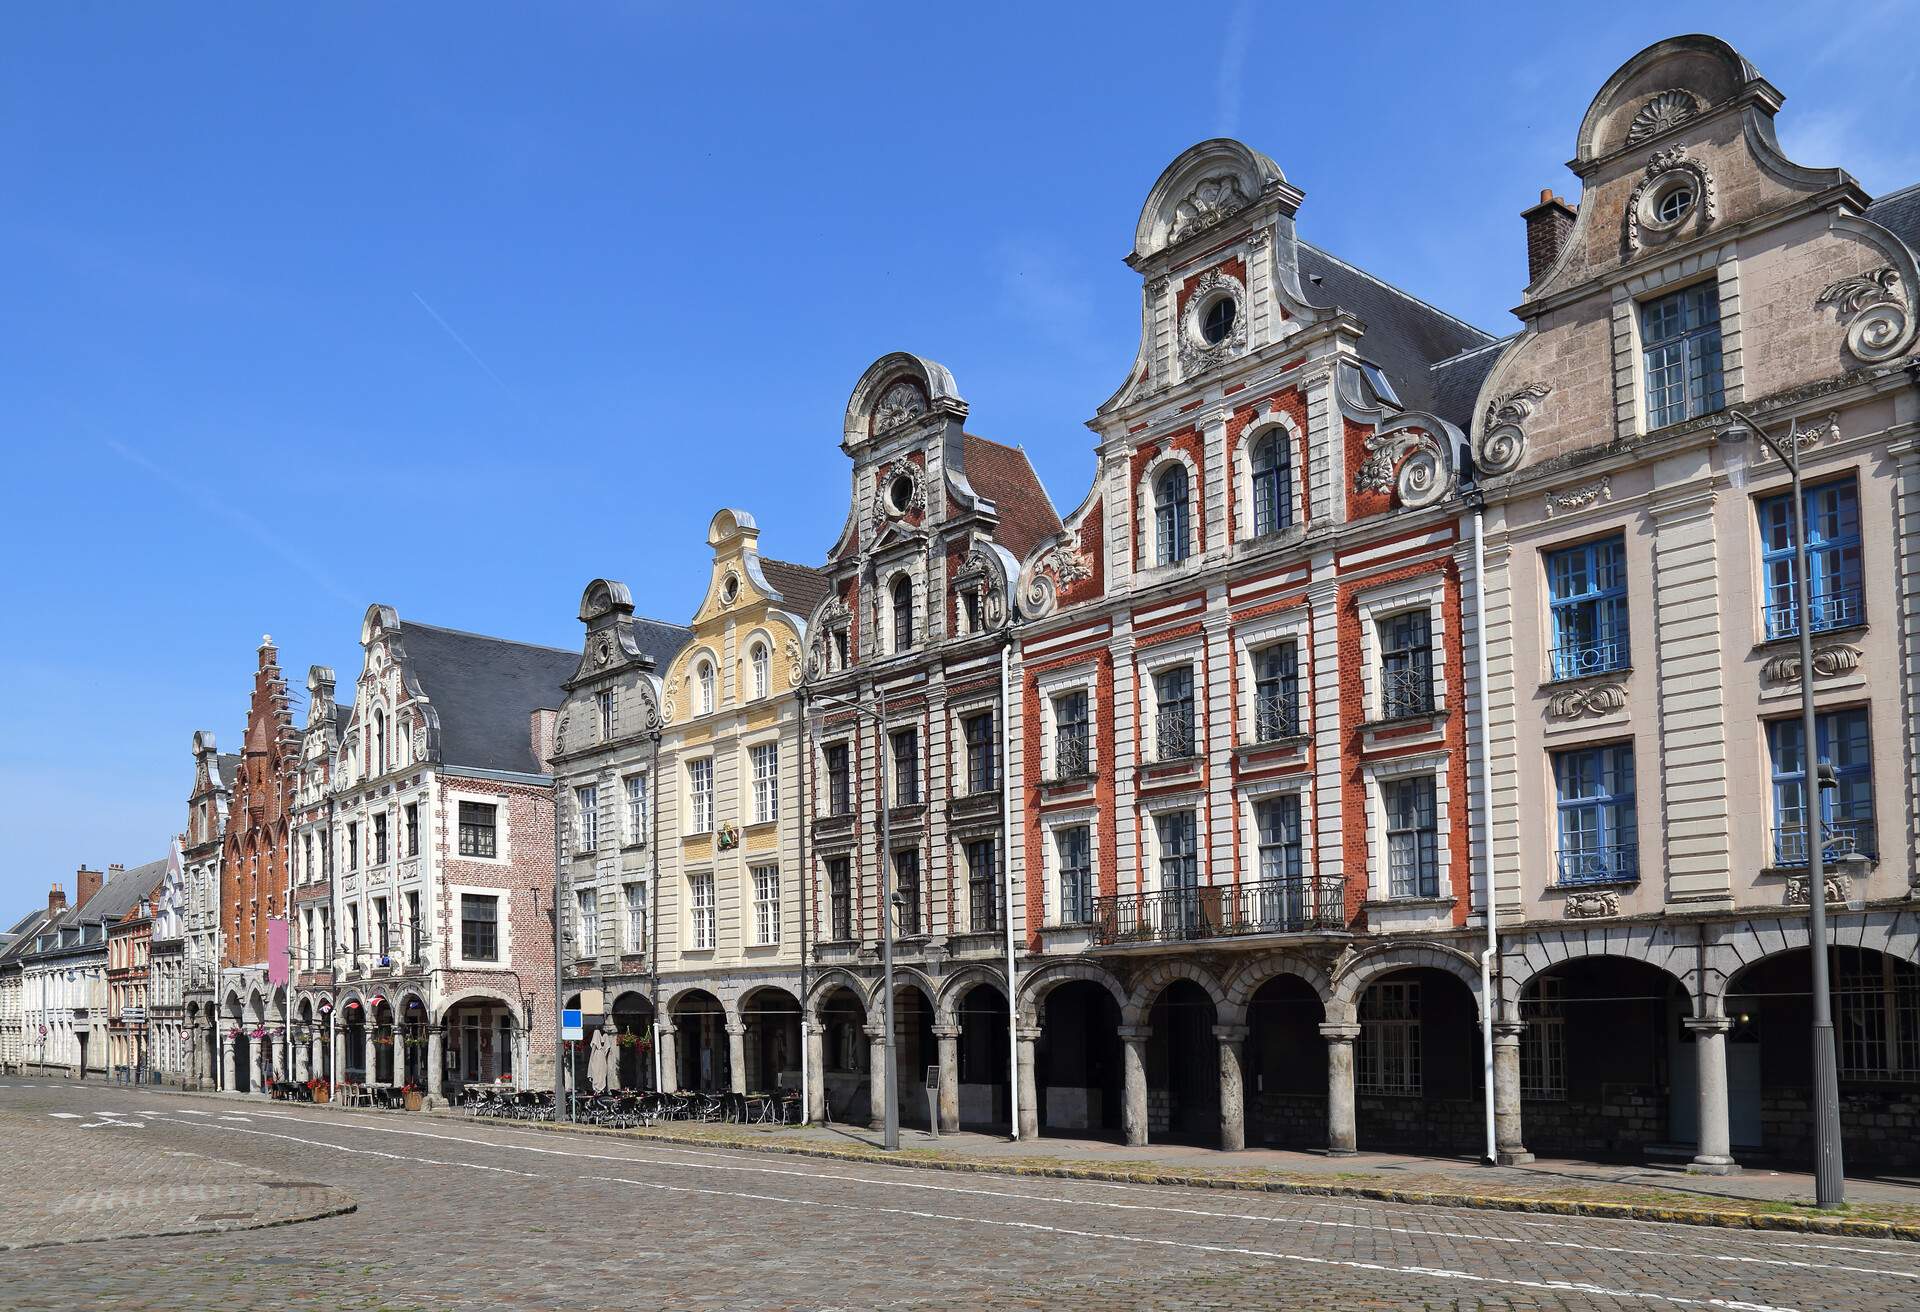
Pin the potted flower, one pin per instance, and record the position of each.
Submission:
(320, 1089)
(412, 1096)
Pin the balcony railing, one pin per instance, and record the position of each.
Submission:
(1275, 717)
(1576, 660)
(1617, 863)
(1405, 693)
(1173, 737)
(1840, 838)
(1831, 608)
(1268, 906)
(1070, 757)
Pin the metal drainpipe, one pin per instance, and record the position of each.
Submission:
(805, 746)
(1490, 901)
(559, 980)
(1006, 880)
(653, 896)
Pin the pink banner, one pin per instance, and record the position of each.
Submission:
(278, 958)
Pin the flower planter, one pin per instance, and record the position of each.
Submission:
(412, 1099)
(322, 1095)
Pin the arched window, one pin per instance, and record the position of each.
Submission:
(704, 676)
(902, 613)
(1170, 515)
(762, 669)
(379, 740)
(1272, 484)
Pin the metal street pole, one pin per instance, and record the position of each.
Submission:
(1829, 1169)
(891, 1133)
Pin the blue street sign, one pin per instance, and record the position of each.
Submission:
(570, 1023)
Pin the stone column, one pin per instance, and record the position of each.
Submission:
(337, 1053)
(1342, 1133)
(1714, 1154)
(814, 1040)
(949, 1040)
(877, 1077)
(1233, 1103)
(227, 1046)
(1509, 1147)
(1133, 1097)
(737, 1056)
(1028, 1035)
(669, 1059)
(436, 1063)
(373, 1053)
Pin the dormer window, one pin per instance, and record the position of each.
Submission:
(840, 660)
(902, 599)
(1170, 516)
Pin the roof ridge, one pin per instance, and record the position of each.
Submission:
(1894, 195)
(1401, 292)
(1474, 350)
(791, 564)
(485, 637)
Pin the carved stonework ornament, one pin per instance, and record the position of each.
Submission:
(794, 660)
(1829, 662)
(670, 705)
(1503, 437)
(1669, 109)
(1874, 308)
(899, 404)
(1596, 700)
(886, 506)
(834, 618)
(1212, 201)
(1407, 463)
(1579, 498)
(729, 836)
(1593, 904)
(1059, 565)
(603, 650)
(1196, 353)
(977, 571)
(1800, 890)
(1667, 169)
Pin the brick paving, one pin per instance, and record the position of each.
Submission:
(460, 1215)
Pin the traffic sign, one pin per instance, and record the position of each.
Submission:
(570, 1024)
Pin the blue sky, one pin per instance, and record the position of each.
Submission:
(456, 307)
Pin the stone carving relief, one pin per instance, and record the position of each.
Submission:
(977, 572)
(1873, 306)
(795, 662)
(1058, 566)
(1212, 201)
(1408, 463)
(885, 507)
(834, 618)
(1592, 904)
(1669, 109)
(1503, 437)
(1800, 890)
(1595, 700)
(1830, 661)
(1666, 169)
(1579, 498)
(899, 404)
(1196, 353)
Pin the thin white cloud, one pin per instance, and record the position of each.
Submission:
(1233, 67)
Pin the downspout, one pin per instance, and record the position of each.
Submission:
(1489, 901)
(1006, 883)
(559, 958)
(804, 744)
(653, 896)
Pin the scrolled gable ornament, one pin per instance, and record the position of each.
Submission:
(1407, 464)
(1055, 569)
(1595, 700)
(1212, 201)
(1873, 306)
(902, 403)
(1592, 904)
(1829, 662)
(1503, 433)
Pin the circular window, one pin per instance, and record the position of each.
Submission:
(730, 589)
(900, 493)
(1216, 323)
(1672, 204)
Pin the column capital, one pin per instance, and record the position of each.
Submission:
(810, 1026)
(736, 1027)
(1135, 1033)
(877, 1033)
(1335, 1032)
(946, 1031)
(1027, 1033)
(1232, 1033)
(1508, 1030)
(1708, 1024)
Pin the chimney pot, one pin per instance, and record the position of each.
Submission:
(85, 884)
(56, 899)
(1548, 225)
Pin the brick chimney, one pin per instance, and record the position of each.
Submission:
(544, 726)
(85, 884)
(1548, 224)
(56, 901)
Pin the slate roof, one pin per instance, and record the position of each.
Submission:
(1405, 336)
(801, 587)
(1456, 381)
(1003, 475)
(1899, 213)
(228, 764)
(659, 639)
(123, 892)
(20, 937)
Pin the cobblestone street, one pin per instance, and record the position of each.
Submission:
(458, 1215)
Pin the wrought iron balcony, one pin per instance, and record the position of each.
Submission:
(1267, 906)
(1071, 759)
(1839, 839)
(1602, 655)
(1616, 863)
(1173, 738)
(1832, 607)
(1405, 693)
(1275, 716)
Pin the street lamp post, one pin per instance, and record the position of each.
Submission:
(1829, 1171)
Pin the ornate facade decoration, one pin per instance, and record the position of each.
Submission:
(1592, 904)
(834, 617)
(1669, 109)
(899, 404)
(1579, 498)
(1799, 892)
(1407, 463)
(1874, 308)
(978, 571)
(886, 506)
(1595, 700)
(1667, 169)
(1212, 201)
(1056, 567)
(1196, 353)
(1829, 661)
(1503, 437)
(796, 663)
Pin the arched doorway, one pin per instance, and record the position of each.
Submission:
(1416, 1064)
(413, 1042)
(700, 1048)
(1183, 1066)
(914, 1050)
(240, 1045)
(352, 1021)
(985, 1096)
(384, 1041)
(772, 1018)
(1876, 1034)
(843, 1021)
(1615, 1099)
(304, 1038)
(482, 1045)
(632, 1020)
(1079, 1063)
(1285, 1072)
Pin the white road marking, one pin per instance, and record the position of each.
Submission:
(65, 1116)
(358, 1152)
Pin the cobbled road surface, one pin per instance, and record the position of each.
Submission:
(456, 1214)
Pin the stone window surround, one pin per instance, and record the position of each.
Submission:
(686, 763)
(1150, 811)
(502, 826)
(1050, 825)
(1150, 662)
(1377, 776)
(688, 943)
(1771, 479)
(1082, 678)
(922, 759)
(1290, 625)
(1392, 599)
(958, 712)
(1265, 790)
(1638, 551)
(1255, 431)
(762, 635)
(503, 927)
(627, 837)
(1719, 263)
(767, 737)
(1147, 547)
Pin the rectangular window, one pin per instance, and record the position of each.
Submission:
(983, 886)
(586, 923)
(1846, 808)
(1680, 342)
(1173, 713)
(477, 836)
(416, 932)
(413, 828)
(1281, 900)
(383, 934)
(766, 782)
(839, 898)
(635, 898)
(700, 796)
(636, 786)
(839, 780)
(1837, 599)
(326, 852)
(1179, 873)
(1276, 692)
(1071, 759)
(906, 885)
(1406, 665)
(1387, 1055)
(700, 902)
(1543, 1043)
(1876, 1016)
(1599, 835)
(981, 774)
(1075, 848)
(586, 818)
(766, 905)
(307, 872)
(479, 926)
(1413, 838)
(353, 845)
(906, 767)
(604, 700)
(380, 838)
(1587, 585)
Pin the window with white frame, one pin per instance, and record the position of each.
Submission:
(1543, 1043)
(1680, 345)
(1272, 465)
(634, 899)
(766, 782)
(1170, 521)
(1173, 713)
(636, 789)
(586, 923)
(1413, 837)
(1073, 846)
(700, 905)
(704, 678)
(766, 905)
(586, 818)
(1072, 738)
(603, 700)
(700, 796)
(1387, 1055)
(762, 663)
